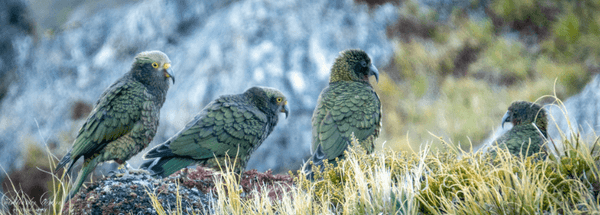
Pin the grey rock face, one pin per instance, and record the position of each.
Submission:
(17, 30)
(217, 47)
(579, 115)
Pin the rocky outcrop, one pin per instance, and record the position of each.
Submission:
(578, 116)
(126, 192)
(129, 192)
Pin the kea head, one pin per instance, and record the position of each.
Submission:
(353, 65)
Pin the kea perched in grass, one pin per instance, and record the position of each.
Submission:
(348, 105)
(124, 119)
(528, 134)
(231, 125)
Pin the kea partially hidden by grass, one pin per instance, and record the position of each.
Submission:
(231, 125)
(528, 134)
(349, 105)
(124, 119)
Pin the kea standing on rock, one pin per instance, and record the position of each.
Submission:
(124, 119)
(524, 138)
(349, 105)
(231, 125)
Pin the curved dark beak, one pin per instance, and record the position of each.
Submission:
(285, 109)
(373, 71)
(506, 118)
(169, 72)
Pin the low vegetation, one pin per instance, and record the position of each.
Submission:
(448, 181)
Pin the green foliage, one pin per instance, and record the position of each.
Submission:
(567, 28)
(571, 75)
(505, 60)
(475, 33)
(522, 10)
(575, 33)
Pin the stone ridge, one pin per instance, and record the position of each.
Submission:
(125, 192)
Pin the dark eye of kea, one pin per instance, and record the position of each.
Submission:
(363, 64)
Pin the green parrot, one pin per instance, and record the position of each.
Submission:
(349, 105)
(524, 138)
(124, 119)
(232, 125)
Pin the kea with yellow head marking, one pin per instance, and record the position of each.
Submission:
(124, 119)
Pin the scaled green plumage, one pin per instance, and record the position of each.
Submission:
(124, 119)
(348, 105)
(529, 126)
(233, 125)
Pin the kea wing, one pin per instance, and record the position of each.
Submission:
(223, 127)
(115, 114)
(344, 109)
(523, 139)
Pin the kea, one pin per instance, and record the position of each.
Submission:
(124, 119)
(528, 134)
(347, 106)
(230, 126)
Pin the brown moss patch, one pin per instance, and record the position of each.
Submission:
(374, 3)
(80, 110)
(407, 27)
(202, 178)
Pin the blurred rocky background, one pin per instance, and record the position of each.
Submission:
(449, 69)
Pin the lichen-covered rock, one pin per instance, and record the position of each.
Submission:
(127, 192)
(130, 191)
